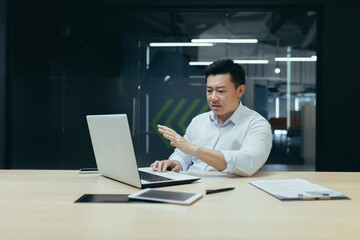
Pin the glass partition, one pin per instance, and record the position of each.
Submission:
(277, 51)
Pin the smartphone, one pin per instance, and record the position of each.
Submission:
(88, 170)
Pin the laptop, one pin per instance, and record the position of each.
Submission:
(115, 156)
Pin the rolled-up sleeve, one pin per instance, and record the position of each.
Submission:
(253, 153)
(182, 158)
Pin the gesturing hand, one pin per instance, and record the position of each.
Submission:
(176, 140)
(210, 156)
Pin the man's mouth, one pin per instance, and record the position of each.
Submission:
(215, 106)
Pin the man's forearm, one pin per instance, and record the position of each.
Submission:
(212, 157)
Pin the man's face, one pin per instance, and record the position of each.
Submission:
(222, 97)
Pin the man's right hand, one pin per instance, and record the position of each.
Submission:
(162, 166)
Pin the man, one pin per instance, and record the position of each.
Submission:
(229, 138)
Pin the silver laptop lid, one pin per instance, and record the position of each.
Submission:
(113, 148)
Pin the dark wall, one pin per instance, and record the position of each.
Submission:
(62, 67)
(338, 80)
(338, 98)
(2, 80)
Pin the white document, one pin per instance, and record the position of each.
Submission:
(296, 189)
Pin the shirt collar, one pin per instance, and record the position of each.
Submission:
(235, 117)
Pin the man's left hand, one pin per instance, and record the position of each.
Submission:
(176, 140)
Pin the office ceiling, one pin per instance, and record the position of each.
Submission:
(104, 29)
(295, 28)
(274, 30)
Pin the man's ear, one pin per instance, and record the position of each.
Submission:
(241, 90)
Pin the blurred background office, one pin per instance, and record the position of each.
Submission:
(63, 60)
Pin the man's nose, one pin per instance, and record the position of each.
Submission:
(214, 96)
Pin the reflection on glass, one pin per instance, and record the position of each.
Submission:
(278, 52)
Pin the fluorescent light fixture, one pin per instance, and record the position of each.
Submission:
(223, 40)
(297, 104)
(279, 132)
(277, 107)
(296, 59)
(252, 61)
(199, 63)
(180, 44)
(236, 61)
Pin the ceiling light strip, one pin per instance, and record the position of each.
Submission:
(199, 63)
(252, 61)
(296, 59)
(223, 40)
(262, 61)
(179, 44)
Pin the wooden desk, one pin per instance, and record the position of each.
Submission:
(37, 204)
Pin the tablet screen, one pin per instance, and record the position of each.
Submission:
(168, 195)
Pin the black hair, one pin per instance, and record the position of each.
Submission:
(223, 66)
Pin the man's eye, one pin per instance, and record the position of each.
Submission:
(221, 91)
(209, 91)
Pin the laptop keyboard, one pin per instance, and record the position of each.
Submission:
(152, 177)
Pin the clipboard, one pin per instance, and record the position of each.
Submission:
(297, 189)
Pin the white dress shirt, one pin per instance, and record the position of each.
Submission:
(245, 141)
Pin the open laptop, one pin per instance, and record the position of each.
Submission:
(115, 157)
